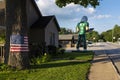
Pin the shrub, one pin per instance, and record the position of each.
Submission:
(4, 67)
(35, 60)
(45, 58)
(61, 51)
(52, 50)
(42, 59)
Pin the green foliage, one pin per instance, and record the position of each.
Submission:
(109, 34)
(45, 58)
(52, 50)
(116, 32)
(4, 67)
(93, 36)
(42, 59)
(65, 31)
(84, 3)
(35, 60)
(61, 51)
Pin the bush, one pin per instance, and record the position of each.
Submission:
(45, 58)
(52, 50)
(42, 59)
(4, 67)
(61, 51)
(35, 60)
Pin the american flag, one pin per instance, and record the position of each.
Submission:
(19, 47)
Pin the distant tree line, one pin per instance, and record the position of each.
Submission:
(64, 30)
(91, 36)
(111, 35)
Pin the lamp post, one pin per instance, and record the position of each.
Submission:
(113, 34)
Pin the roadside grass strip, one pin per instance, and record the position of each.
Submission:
(68, 66)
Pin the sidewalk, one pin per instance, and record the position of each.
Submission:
(102, 68)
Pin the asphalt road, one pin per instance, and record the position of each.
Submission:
(112, 50)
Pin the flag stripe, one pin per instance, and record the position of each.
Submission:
(20, 47)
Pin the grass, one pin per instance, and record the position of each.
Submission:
(69, 66)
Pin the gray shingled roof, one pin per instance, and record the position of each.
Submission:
(68, 36)
(42, 22)
(65, 37)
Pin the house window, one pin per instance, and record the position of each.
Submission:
(52, 38)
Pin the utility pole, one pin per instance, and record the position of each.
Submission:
(112, 34)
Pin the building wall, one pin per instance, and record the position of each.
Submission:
(51, 29)
(32, 14)
(36, 36)
(2, 17)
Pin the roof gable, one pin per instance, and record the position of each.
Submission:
(44, 21)
(36, 7)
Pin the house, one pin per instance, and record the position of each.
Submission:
(68, 40)
(41, 28)
(45, 30)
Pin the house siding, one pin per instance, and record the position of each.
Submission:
(32, 14)
(51, 28)
(36, 36)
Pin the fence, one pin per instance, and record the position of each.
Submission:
(2, 53)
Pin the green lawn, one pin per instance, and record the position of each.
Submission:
(69, 66)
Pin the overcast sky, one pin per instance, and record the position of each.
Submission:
(101, 18)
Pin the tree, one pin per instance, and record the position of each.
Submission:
(16, 22)
(93, 36)
(84, 3)
(107, 36)
(65, 31)
(116, 32)
(112, 34)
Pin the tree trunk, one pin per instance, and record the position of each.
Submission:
(16, 23)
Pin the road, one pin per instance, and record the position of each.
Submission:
(111, 49)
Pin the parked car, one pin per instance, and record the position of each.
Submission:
(89, 43)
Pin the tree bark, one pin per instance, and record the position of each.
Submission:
(16, 22)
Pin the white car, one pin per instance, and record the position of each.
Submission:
(89, 44)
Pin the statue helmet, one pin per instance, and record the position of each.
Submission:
(84, 19)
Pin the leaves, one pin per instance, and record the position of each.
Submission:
(84, 3)
(93, 36)
(109, 34)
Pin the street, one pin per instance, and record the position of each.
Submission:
(112, 50)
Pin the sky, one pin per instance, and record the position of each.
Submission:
(102, 18)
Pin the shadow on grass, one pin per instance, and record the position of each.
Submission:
(59, 64)
(69, 60)
(73, 55)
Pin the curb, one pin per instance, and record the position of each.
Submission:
(114, 66)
